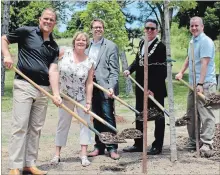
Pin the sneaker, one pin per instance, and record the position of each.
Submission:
(84, 161)
(206, 147)
(55, 160)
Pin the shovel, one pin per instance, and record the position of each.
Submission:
(104, 137)
(118, 99)
(151, 97)
(213, 100)
(129, 133)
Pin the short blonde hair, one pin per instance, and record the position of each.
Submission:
(80, 33)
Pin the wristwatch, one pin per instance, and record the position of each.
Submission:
(200, 84)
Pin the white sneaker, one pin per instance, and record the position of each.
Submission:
(205, 147)
(55, 160)
(85, 161)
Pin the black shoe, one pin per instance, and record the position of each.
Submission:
(154, 151)
(133, 149)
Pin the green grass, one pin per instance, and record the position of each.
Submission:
(7, 98)
(179, 90)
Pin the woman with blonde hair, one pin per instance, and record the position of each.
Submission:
(76, 80)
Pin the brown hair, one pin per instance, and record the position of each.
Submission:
(97, 20)
(80, 33)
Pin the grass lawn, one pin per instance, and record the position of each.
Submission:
(180, 90)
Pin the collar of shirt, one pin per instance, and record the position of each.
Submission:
(195, 39)
(39, 31)
(149, 43)
(97, 43)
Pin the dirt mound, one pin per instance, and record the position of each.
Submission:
(182, 121)
(215, 154)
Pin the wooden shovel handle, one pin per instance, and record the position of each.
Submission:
(64, 107)
(117, 98)
(51, 97)
(89, 112)
(199, 93)
(150, 96)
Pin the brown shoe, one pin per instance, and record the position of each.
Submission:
(114, 155)
(14, 172)
(34, 170)
(96, 152)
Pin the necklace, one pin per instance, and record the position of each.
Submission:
(141, 61)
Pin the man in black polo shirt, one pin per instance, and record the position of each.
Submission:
(37, 59)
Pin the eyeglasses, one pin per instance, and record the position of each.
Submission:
(98, 27)
(150, 28)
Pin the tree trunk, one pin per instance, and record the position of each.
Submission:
(170, 85)
(128, 83)
(218, 81)
(5, 24)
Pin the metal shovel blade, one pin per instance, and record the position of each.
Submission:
(110, 138)
(213, 100)
(130, 133)
(153, 114)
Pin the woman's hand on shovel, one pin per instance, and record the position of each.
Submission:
(88, 107)
(57, 100)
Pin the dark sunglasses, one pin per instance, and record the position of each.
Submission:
(150, 28)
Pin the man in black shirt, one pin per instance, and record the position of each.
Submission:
(37, 59)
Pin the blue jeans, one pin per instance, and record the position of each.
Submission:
(105, 109)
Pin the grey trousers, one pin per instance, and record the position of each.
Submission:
(206, 117)
(65, 122)
(29, 113)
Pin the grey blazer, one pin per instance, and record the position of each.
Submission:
(107, 67)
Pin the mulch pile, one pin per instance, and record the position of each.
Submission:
(182, 121)
(215, 154)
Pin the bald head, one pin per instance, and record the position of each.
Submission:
(196, 26)
(196, 18)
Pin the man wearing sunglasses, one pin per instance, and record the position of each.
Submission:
(157, 73)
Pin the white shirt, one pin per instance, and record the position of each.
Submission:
(94, 50)
(149, 43)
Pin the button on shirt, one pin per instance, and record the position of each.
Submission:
(94, 50)
(203, 47)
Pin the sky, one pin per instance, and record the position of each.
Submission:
(132, 8)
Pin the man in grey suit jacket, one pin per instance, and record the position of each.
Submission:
(105, 55)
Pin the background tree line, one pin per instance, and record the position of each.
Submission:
(115, 14)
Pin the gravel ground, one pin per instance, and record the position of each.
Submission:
(130, 163)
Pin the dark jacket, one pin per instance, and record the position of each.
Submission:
(156, 73)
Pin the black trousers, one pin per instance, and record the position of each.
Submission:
(159, 122)
(105, 109)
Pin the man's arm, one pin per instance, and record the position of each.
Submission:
(54, 83)
(8, 61)
(183, 69)
(114, 68)
(203, 71)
